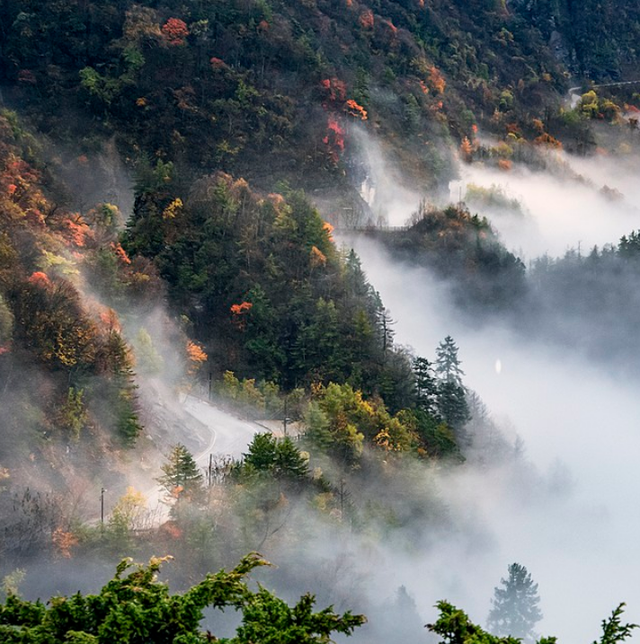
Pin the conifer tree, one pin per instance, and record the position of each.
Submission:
(452, 401)
(515, 609)
(426, 387)
(182, 479)
(447, 362)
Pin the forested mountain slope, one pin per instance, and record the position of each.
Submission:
(171, 179)
(225, 84)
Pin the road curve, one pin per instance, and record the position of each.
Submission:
(221, 432)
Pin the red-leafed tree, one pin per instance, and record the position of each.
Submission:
(175, 31)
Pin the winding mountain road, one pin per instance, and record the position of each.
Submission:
(574, 93)
(220, 432)
(204, 429)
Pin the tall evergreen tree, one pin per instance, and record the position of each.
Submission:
(452, 399)
(426, 387)
(515, 609)
(181, 477)
(447, 362)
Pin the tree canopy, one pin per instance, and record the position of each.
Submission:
(136, 608)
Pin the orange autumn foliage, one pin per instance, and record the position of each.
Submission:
(196, 356)
(334, 139)
(40, 278)
(239, 309)
(437, 79)
(171, 530)
(195, 352)
(505, 165)
(548, 141)
(329, 228)
(63, 542)
(77, 231)
(538, 125)
(336, 90)
(356, 110)
(392, 28)
(466, 150)
(318, 258)
(512, 128)
(175, 31)
(121, 253)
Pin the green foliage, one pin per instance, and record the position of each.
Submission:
(494, 197)
(181, 477)
(127, 514)
(218, 99)
(613, 630)
(629, 245)
(120, 388)
(137, 609)
(72, 414)
(148, 358)
(269, 620)
(455, 627)
(50, 319)
(341, 419)
(426, 386)
(466, 250)
(6, 323)
(435, 435)
(598, 40)
(277, 458)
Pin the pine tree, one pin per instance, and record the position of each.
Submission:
(120, 390)
(515, 609)
(426, 387)
(452, 405)
(452, 399)
(280, 458)
(182, 479)
(447, 362)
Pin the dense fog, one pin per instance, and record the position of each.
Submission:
(566, 509)
(566, 207)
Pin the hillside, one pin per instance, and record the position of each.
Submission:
(181, 186)
(224, 85)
